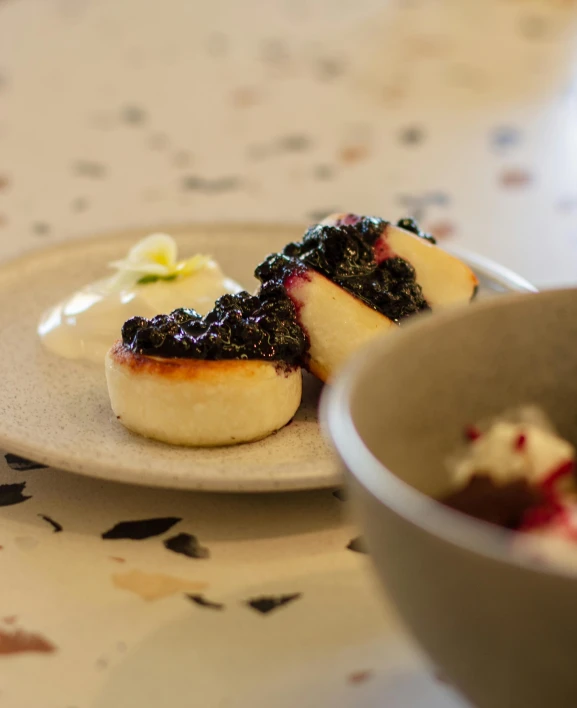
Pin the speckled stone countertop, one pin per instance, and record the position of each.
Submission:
(118, 113)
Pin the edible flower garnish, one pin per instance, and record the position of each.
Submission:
(155, 258)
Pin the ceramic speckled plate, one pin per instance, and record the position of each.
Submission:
(57, 412)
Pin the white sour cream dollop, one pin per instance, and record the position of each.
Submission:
(520, 444)
(150, 281)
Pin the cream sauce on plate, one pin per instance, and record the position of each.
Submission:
(85, 325)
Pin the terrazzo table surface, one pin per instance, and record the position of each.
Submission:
(119, 113)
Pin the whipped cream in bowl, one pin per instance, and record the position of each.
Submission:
(517, 472)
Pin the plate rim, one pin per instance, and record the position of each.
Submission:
(485, 267)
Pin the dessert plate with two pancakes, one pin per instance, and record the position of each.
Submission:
(57, 411)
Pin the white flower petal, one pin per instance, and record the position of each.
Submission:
(159, 249)
(155, 255)
(121, 280)
(193, 265)
(143, 267)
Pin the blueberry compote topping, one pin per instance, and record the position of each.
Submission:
(412, 226)
(240, 326)
(344, 253)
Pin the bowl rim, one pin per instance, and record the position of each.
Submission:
(419, 509)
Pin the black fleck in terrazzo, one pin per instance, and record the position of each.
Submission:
(90, 169)
(297, 142)
(212, 186)
(133, 115)
(202, 601)
(412, 135)
(56, 527)
(41, 228)
(420, 205)
(21, 464)
(329, 68)
(533, 27)
(267, 603)
(438, 198)
(80, 204)
(275, 52)
(11, 494)
(323, 172)
(141, 529)
(567, 205)
(357, 545)
(187, 545)
(505, 137)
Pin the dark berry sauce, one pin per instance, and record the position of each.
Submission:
(240, 326)
(507, 504)
(346, 254)
(412, 226)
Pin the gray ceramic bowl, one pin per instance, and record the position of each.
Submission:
(501, 626)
